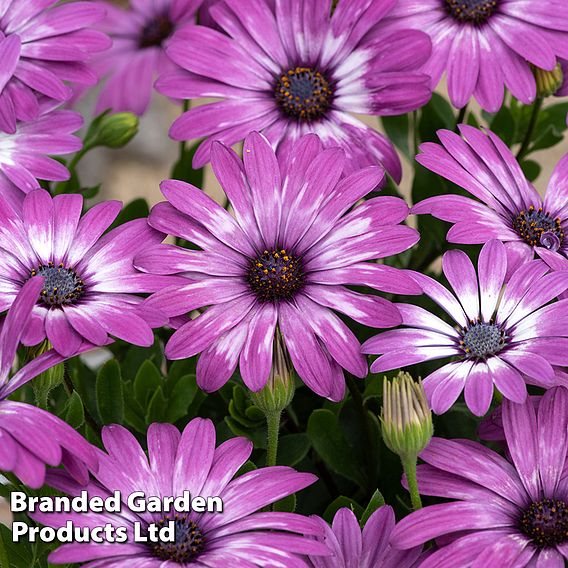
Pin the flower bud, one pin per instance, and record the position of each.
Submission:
(547, 82)
(51, 378)
(406, 417)
(116, 130)
(279, 390)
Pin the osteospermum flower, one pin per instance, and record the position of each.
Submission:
(42, 47)
(284, 260)
(503, 512)
(24, 154)
(240, 535)
(90, 285)
(293, 70)
(31, 438)
(140, 35)
(507, 207)
(485, 45)
(368, 549)
(498, 340)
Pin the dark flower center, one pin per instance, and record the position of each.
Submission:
(472, 11)
(546, 523)
(275, 275)
(538, 228)
(303, 93)
(189, 541)
(61, 285)
(480, 340)
(156, 31)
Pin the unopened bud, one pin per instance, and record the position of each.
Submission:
(406, 417)
(279, 390)
(51, 378)
(117, 130)
(547, 82)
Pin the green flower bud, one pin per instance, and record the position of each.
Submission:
(44, 383)
(547, 82)
(279, 390)
(406, 417)
(116, 130)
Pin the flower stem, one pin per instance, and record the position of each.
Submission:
(461, 116)
(523, 150)
(409, 466)
(273, 427)
(415, 133)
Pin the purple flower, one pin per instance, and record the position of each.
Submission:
(90, 285)
(42, 47)
(503, 512)
(295, 69)
(499, 340)
(238, 536)
(283, 260)
(507, 207)
(485, 45)
(31, 438)
(24, 154)
(139, 36)
(370, 549)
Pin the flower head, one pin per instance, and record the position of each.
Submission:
(140, 35)
(368, 549)
(484, 45)
(405, 417)
(504, 512)
(42, 47)
(507, 206)
(294, 69)
(500, 339)
(31, 438)
(24, 153)
(239, 535)
(284, 260)
(90, 285)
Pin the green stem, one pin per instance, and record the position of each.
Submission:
(415, 133)
(182, 144)
(461, 116)
(4, 561)
(409, 466)
(273, 427)
(523, 150)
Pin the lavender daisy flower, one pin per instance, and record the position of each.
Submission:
(485, 45)
(238, 536)
(90, 285)
(31, 438)
(284, 260)
(504, 512)
(367, 550)
(507, 207)
(42, 47)
(24, 154)
(140, 35)
(293, 70)
(498, 340)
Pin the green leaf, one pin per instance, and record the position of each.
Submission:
(292, 449)
(531, 169)
(286, 505)
(339, 503)
(75, 413)
(183, 170)
(503, 124)
(397, 129)
(377, 500)
(328, 440)
(157, 408)
(110, 397)
(136, 209)
(147, 380)
(435, 115)
(182, 396)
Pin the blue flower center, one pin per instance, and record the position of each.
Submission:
(538, 228)
(546, 523)
(303, 93)
(61, 285)
(156, 32)
(189, 541)
(471, 11)
(275, 275)
(481, 340)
